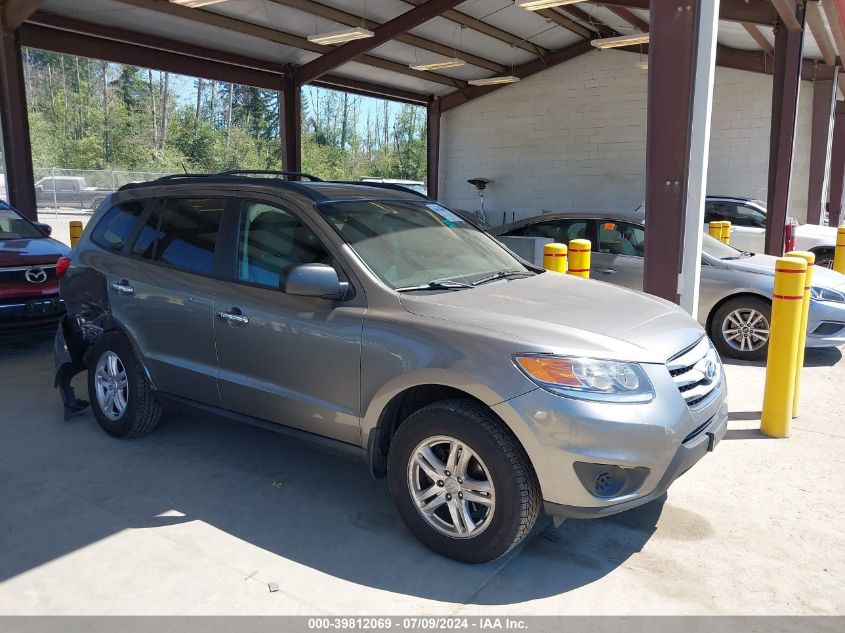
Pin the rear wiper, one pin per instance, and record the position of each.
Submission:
(443, 284)
(502, 274)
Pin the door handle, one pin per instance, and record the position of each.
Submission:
(234, 317)
(605, 271)
(123, 287)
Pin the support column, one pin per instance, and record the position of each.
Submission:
(824, 104)
(20, 181)
(682, 56)
(291, 126)
(837, 168)
(789, 46)
(433, 148)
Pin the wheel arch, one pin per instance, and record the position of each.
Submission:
(730, 297)
(403, 404)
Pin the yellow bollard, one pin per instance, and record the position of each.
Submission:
(839, 256)
(726, 232)
(554, 257)
(716, 229)
(787, 305)
(802, 331)
(579, 258)
(75, 232)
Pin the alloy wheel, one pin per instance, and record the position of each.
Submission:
(746, 329)
(451, 487)
(112, 385)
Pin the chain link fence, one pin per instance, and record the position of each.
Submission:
(81, 190)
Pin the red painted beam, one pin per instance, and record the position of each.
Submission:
(384, 33)
(755, 11)
(787, 79)
(433, 148)
(837, 168)
(672, 54)
(824, 109)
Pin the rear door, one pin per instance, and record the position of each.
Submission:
(163, 293)
(618, 254)
(287, 359)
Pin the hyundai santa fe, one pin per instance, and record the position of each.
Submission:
(483, 388)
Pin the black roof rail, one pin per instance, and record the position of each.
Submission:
(268, 172)
(383, 185)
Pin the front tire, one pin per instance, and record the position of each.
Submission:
(461, 482)
(740, 328)
(121, 396)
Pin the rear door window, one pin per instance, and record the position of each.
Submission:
(117, 225)
(621, 238)
(560, 231)
(182, 233)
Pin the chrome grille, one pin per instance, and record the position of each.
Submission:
(689, 370)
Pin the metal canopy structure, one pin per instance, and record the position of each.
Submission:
(266, 43)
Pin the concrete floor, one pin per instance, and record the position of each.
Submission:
(200, 516)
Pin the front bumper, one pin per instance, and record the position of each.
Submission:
(664, 436)
(826, 324)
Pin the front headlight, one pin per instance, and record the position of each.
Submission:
(826, 294)
(587, 378)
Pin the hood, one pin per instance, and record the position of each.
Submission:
(562, 314)
(828, 278)
(815, 231)
(761, 264)
(23, 252)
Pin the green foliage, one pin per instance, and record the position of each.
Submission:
(87, 114)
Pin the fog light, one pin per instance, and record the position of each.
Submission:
(606, 480)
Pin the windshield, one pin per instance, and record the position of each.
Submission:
(13, 226)
(714, 248)
(410, 243)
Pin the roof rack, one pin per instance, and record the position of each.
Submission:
(242, 172)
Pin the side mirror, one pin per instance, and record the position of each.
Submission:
(313, 280)
(45, 227)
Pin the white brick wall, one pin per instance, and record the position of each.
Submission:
(573, 137)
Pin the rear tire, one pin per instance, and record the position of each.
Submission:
(121, 396)
(738, 324)
(489, 465)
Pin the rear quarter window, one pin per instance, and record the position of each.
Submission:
(117, 225)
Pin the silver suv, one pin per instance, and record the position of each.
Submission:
(381, 322)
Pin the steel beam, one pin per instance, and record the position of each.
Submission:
(837, 168)
(290, 127)
(433, 148)
(676, 144)
(20, 179)
(820, 34)
(570, 25)
(757, 35)
(489, 30)
(389, 30)
(785, 87)
(16, 12)
(630, 17)
(755, 11)
(522, 71)
(787, 10)
(350, 19)
(824, 107)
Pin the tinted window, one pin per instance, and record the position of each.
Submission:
(561, 231)
(117, 225)
(272, 240)
(621, 238)
(737, 214)
(67, 185)
(182, 232)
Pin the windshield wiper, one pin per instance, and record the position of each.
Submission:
(502, 274)
(438, 284)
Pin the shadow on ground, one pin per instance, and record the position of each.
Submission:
(813, 357)
(64, 486)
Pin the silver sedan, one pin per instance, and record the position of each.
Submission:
(736, 286)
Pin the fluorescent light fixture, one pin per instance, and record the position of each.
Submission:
(452, 62)
(536, 5)
(341, 36)
(622, 40)
(195, 4)
(494, 81)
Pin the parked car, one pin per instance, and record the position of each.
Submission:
(29, 287)
(413, 185)
(735, 303)
(748, 228)
(483, 388)
(68, 191)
